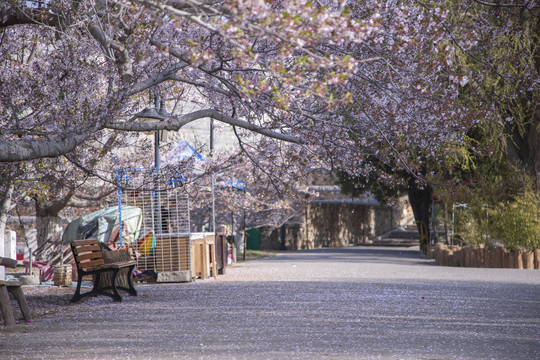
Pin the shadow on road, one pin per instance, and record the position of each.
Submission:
(381, 255)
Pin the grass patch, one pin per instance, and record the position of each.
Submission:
(256, 254)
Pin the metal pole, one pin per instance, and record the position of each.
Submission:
(244, 235)
(213, 194)
(487, 223)
(61, 252)
(452, 242)
(213, 206)
(30, 261)
(306, 223)
(211, 136)
(156, 149)
(431, 230)
(232, 223)
(233, 246)
(158, 226)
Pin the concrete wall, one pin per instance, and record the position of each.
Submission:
(338, 223)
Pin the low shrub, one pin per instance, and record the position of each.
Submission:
(517, 223)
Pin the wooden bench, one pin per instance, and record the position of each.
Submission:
(88, 255)
(14, 288)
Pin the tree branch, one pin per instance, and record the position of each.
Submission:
(526, 5)
(11, 15)
(167, 74)
(21, 150)
(176, 123)
(96, 197)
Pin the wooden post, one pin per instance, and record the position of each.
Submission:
(518, 254)
(499, 256)
(528, 260)
(5, 306)
(537, 259)
(430, 251)
(466, 258)
(488, 256)
(458, 256)
(505, 259)
(202, 260)
(437, 253)
(221, 254)
(211, 248)
(474, 256)
(443, 256)
(481, 256)
(18, 294)
(508, 260)
(450, 258)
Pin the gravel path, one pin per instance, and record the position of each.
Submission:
(350, 303)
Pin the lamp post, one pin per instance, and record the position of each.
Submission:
(155, 114)
(213, 179)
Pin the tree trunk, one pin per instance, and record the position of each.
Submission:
(420, 200)
(5, 207)
(49, 228)
(524, 149)
(534, 145)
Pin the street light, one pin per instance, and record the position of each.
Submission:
(154, 114)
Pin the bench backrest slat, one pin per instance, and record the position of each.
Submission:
(85, 242)
(87, 253)
(87, 248)
(89, 256)
(91, 264)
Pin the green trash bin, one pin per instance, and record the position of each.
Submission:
(253, 240)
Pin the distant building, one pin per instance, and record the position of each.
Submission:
(333, 219)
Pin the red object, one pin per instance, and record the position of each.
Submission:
(46, 273)
(20, 257)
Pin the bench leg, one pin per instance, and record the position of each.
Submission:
(23, 305)
(96, 290)
(77, 296)
(5, 307)
(131, 289)
(116, 296)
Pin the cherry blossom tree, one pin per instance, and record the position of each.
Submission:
(456, 67)
(73, 70)
(93, 63)
(344, 80)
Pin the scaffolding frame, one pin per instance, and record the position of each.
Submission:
(164, 241)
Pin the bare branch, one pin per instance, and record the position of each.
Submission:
(97, 197)
(167, 74)
(175, 123)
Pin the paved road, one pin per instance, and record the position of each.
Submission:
(353, 303)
